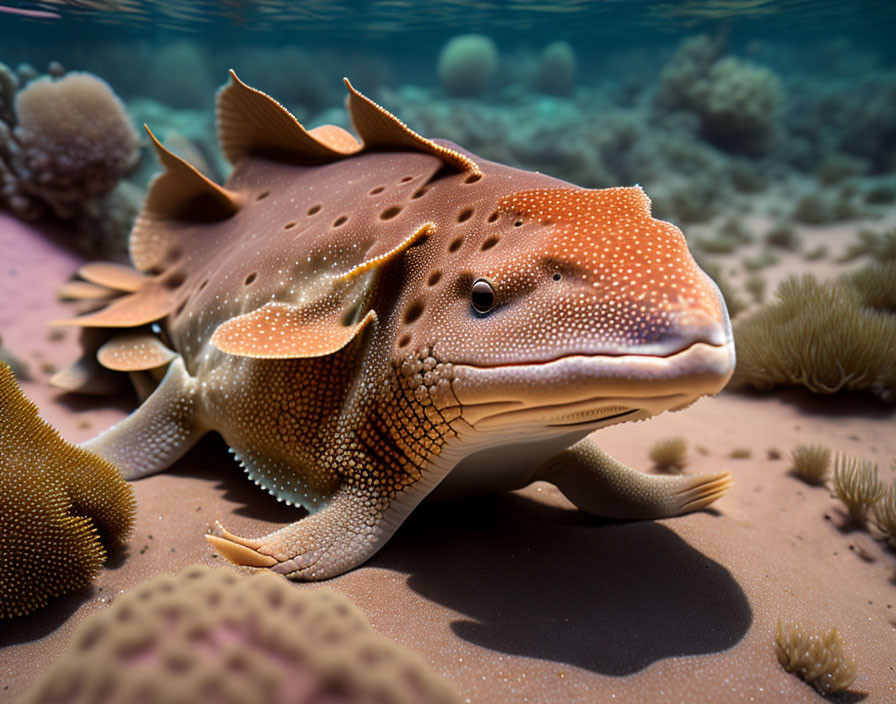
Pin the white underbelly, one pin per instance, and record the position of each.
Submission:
(503, 467)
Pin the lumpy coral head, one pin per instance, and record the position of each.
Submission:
(61, 507)
(75, 139)
(214, 636)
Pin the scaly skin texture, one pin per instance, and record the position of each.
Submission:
(321, 317)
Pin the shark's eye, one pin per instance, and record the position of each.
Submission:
(482, 296)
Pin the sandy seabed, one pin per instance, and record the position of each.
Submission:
(520, 597)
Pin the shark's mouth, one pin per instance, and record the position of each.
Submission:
(587, 418)
(580, 391)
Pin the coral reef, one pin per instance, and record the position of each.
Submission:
(65, 145)
(212, 635)
(467, 64)
(783, 235)
(669, 454)
(557, 68)
(72, 142)
(61, 508)
(820, 660)
(811, 463)
(857, 486)
(823, 336)
(880, 246)
(737, 102)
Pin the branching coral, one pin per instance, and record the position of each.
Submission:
(669, 454)
(819, 335)
(857, 485)
(61, 507)
(811, 463)
(211, 635)
(820, 660)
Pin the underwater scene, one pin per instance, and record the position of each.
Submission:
(327, 330)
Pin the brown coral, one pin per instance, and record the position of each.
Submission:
(73, 140)
(820, 660)
(61, 507)
(214, 636)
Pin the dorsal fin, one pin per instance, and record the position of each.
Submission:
(378, 259)
(252, 122)
(179, 193)
(380, 130)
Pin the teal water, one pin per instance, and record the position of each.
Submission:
(782, 89)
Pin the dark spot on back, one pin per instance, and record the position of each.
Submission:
(414, 311)
(390, 213)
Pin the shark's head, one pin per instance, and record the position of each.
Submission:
(578, 310)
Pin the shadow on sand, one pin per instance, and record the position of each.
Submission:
(559, 585)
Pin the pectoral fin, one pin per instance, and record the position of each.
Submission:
(283, 331)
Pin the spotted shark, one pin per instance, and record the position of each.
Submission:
(367, 320)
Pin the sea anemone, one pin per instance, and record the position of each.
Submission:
(669, 454)
(821, 336)
(811, 463)
(857, 485)
(820, 660)
(213, 635)
(61, 507)
(883, 515)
